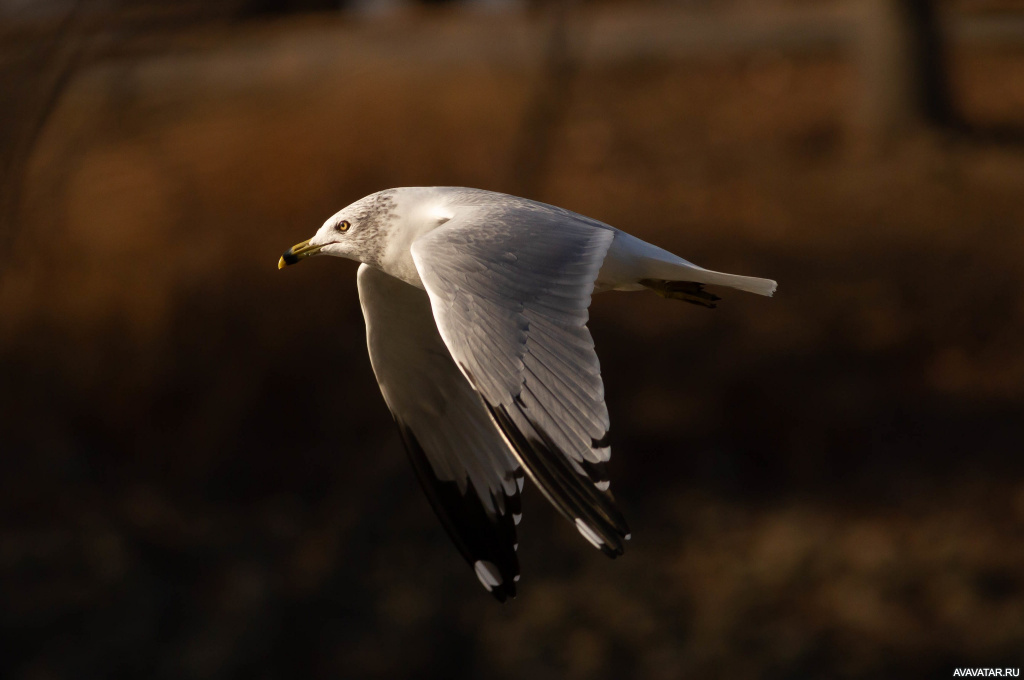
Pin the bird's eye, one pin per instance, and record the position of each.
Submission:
(344, 225)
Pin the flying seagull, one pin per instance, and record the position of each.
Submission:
(476, 322)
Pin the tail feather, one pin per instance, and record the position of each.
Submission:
(751, 284)
(632, 262)
(684, 271)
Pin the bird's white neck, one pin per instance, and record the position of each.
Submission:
(419, 210)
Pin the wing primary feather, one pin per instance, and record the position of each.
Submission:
(598, 473)
(574, 496)
(513, 503)
(600, 500)
(486, 541)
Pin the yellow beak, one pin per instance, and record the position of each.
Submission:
(296, 253)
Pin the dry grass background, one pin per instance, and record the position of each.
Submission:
(200, 480)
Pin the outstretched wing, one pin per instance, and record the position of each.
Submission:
(510, 287)
(467, 471)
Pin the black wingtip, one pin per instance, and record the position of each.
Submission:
(576, 497)
(486, 540)
(503, 594)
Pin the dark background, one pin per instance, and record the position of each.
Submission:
(198, 477)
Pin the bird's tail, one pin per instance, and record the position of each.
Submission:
(686, 282)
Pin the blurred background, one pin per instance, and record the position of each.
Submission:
(828, 483)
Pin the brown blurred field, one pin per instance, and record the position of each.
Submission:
(201, 480)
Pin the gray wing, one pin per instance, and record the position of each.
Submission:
(467, 471)
(510, 287)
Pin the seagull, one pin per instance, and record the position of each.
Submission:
(476, 308)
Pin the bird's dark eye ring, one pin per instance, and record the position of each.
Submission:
(344, 225)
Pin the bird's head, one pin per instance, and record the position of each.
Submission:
(355, 232)
(341, 236)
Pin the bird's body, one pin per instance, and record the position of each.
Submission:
(476, 309)
(423, 209)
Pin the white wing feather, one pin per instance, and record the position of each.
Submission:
(510, 286)
(464, 464)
